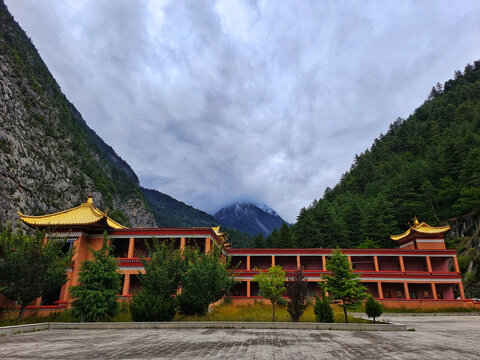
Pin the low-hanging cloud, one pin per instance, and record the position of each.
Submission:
(217, 101)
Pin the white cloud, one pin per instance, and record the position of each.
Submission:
(212, 102)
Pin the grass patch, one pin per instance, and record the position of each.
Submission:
(260, 312)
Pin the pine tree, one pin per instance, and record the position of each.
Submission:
(342, 283)
(259, 241)
(323, 308)
(99, 283)
(373, 308)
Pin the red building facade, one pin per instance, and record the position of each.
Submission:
(420, 272)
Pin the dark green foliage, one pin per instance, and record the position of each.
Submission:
(272, 285)
(373, 308)
(205, 281)
(160, 283)
(323, 309)
(425, 166)
(99, 283)
(259, 241)
(282, 302)
(342, 283)
(297, 294)
(30, 266)
(285, 238)
(237, 238)
(368, 244)
(120, 217)
(147, 306)
(170, 212)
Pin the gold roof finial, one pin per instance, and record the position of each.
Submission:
(90, 199)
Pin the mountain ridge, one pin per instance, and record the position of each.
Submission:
(249, 217)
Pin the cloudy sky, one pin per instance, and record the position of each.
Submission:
(218, 101)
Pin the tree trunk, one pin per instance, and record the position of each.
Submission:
(345, 312)
(20, 314)
(273, 311)
(374, 319)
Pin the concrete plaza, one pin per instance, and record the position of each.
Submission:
(436, 337)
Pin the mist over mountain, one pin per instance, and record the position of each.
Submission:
(250, 218)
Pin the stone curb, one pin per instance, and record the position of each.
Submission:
(386, 314)
(17, 329)
(201, 325)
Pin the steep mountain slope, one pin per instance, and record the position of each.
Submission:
(49, 158)
(171, 212)
(426, 166)
(249, 218)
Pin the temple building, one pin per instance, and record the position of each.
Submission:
(420, 272)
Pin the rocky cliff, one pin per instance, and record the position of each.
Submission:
(49, 158)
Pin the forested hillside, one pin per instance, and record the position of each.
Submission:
(426, 166)
(169, 212)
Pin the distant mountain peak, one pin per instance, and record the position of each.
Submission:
(249, 217)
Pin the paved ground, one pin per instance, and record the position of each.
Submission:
(440, 337)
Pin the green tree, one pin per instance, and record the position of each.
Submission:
(99, 283)
(368, 244)
(285, 237)
(297, 287)
(323, 308)
(160, 284)
(271, 285)
(30, 266)
(373, 308)
(259, 241)
(205, 281)
(342, 283)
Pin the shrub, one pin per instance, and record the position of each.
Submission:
(146, 306)
(297, 294)
(99, 284)
(160, 283)
(323, 309)
(373, 308)
(282, 302)
(205, 281)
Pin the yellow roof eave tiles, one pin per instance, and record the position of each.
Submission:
(84, 214)
(422, 228)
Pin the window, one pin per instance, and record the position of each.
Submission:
(399, 293)
(413, 294)
(387, 294)
(426, 294)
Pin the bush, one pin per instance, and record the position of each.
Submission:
(150, 307)
(228, 300)
(373, 308)
(160, 283)
(282, 302)
(205, 281)
(99, 284)
(323, 309)
(297, 295)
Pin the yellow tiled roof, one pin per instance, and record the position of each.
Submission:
(421, 227)
(84, 214)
